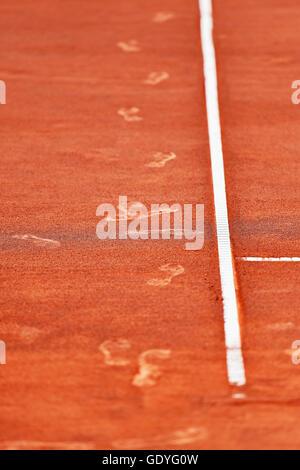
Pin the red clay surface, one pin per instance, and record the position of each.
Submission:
(65, 149)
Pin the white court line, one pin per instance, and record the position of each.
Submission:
(254, 258)
(235, 363)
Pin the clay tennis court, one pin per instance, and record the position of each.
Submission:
(109, 98)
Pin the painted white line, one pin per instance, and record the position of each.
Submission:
(254, 258)
(235, 363)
